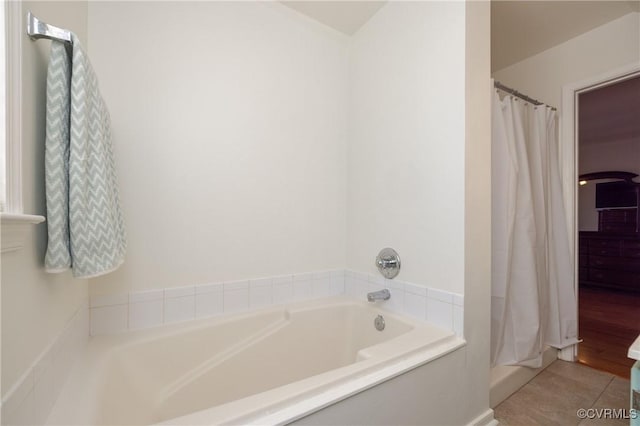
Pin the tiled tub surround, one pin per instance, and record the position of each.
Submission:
(311, 354)
(439, 307)
(30, 400)
(151, 308)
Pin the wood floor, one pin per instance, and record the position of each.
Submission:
(609, 322)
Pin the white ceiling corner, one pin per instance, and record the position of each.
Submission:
(523, 28)
(344, 16)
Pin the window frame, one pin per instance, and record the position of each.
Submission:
(15, 224)
(13, 107)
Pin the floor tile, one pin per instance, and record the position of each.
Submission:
(616, 398)
(554, 397)
(593, 378)
(616, 395)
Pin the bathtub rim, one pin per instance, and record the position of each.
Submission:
(284, 409)
(308, 395)
(315, 398)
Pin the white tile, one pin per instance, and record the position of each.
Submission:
(396, 284)
(349, 273)
(282, 293)
(108, 319)
(179, 291)
(145, 295)
(458, 299)
(415, 305)
(302, 277)
(337, 284)
(179, 308)
(261, 282)
(395, 302)
(302, 290)
(458, 320)
(319, 275)
(350, 288)
(209, 304)
(146, 314)
(337, 273)
(321, 287)
(440, 295)
(440, 313)
(378, 280)
(283, 279)
(260, 296)
(236, 285)
(373, 288)
(361, 288)
(360, 276)
(415, 289)
(236, 300)
(209, 288)
(109, 300)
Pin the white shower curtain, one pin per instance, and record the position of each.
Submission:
(533, 300)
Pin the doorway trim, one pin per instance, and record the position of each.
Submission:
(569, 162)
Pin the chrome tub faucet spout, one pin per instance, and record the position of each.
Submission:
(378, 295)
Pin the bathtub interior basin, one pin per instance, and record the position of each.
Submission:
(232, 368)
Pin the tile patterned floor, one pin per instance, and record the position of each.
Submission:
(554, 397)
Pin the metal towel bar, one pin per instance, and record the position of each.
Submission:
(38, 29)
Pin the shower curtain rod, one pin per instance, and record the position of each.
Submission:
(522, 96)
(38, 29)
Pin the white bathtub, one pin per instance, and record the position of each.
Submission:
(266, 367)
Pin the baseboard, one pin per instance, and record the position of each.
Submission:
(485, 419)
(31, 398)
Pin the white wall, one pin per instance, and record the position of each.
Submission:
(420, 181)
(453, 389)
(406, 148)
(621, 155)
(602, 49)
(231, 128)
(589, 55)
(477, 207)
(36, 306)
(230, 131)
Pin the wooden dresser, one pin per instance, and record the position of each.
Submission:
(610, 260)
(610, 257)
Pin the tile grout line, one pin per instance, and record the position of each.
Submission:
(603, 391)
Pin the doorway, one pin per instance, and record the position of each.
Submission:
(608, 219)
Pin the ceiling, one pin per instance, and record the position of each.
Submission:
(520, 29)
(344, 16)
(610, 114)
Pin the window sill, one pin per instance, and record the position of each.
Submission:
(15, 227)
